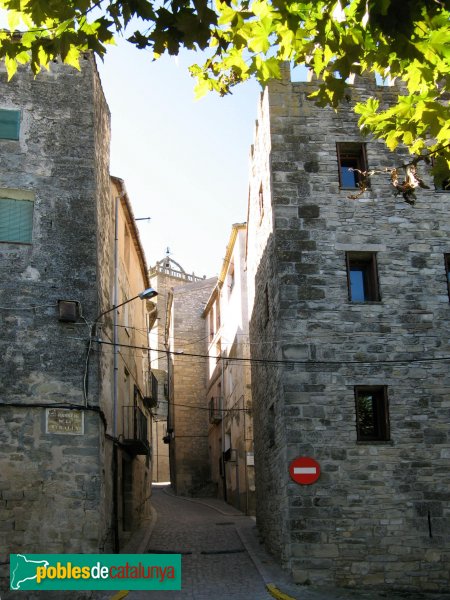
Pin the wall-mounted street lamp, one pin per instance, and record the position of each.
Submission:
(145, 295)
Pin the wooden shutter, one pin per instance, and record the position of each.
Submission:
(16, 220)
(9, 124)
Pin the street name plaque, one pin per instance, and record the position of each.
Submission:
(65, 421)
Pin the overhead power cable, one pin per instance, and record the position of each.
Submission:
(285, 361)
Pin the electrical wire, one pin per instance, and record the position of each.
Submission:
(86, 364)
(286, 361)
(31, 307)
(223, 410)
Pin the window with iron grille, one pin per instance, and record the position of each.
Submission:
(215, 409)
(372, 414)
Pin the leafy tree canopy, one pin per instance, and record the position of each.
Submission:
(403, 40)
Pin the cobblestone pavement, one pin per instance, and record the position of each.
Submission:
(222, 558)
(215, 564)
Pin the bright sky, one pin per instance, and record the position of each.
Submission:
(184, 161)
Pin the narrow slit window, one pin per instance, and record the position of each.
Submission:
(362, 277)
(372, 413)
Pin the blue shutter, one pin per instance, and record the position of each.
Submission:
(9, 124)
(16, 220)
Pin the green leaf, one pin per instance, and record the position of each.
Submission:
(11, 67)
(14, 20)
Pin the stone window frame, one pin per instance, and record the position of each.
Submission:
(367, 262)
(356, 154)
(380, 413)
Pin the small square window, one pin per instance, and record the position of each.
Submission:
(16, 220)
(351, 155)
(447, 272)
(362, 277)
(9, 124)
(372, 413)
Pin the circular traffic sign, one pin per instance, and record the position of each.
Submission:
(304, 470)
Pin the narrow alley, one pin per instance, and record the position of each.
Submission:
(223, 559)
(207, 533)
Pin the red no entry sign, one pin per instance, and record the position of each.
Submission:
(304, 470)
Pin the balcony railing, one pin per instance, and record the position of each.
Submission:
(215, 409)
(135, 429)
(174, 273)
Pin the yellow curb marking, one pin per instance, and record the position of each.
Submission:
(275, 592)
(120, 595)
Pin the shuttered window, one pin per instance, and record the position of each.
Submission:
(16, 220)
(9, 124)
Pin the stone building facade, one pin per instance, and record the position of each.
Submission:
(182, 451)
(127, 396)
(57, 488)
(349, 314)
(188, 417)
(228, 397)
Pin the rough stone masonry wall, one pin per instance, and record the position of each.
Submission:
(379, 514)
(272, 509)
(49, 483)
(190, 422)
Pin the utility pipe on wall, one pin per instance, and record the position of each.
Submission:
(115, 468)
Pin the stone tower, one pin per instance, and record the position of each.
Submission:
(349, 297)
(167, 276)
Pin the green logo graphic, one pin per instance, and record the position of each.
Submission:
(95, 571)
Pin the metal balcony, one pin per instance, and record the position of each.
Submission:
(135, 429)
(215, 409)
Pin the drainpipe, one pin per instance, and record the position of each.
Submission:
(245, 454)
(224, 471)
(116, 379)
(115, 318)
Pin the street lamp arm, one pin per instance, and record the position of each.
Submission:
(148, 293)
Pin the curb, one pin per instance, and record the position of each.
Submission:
(139, 544)
(276, 593)
(119, 595)
(265, 573)
(138, 547)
